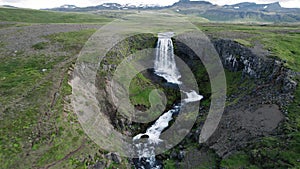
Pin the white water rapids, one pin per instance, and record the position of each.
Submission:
(164, 66)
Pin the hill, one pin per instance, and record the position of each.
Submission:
(246, 12)
(38, 16)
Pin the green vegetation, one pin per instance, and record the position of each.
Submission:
(284, 46)
(140, 89)
(69, 41)
(243, 42)
(234, 85)
(18, 75)
(169, 164)
(281, 40)
(40, 45)
(38, 16)
(6, 25)
(36, 119)
(237, 161)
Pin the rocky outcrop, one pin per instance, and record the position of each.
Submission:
(236, 57)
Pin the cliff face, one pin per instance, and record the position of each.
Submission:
(256, 108)
(106, 72)
(236, 57)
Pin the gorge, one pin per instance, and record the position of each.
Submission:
(164, 66)
(237, 60)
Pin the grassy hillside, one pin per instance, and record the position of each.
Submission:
(38, 16)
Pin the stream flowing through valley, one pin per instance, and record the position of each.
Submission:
(164, 66)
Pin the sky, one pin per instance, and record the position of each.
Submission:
(38, 4)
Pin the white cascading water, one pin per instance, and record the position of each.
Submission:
(192, 96)
(164, 66)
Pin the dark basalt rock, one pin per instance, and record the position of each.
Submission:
(236, 57)
(145, 136)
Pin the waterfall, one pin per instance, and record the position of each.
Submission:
(164, 66)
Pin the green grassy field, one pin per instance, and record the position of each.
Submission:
(37, 16)
(19, 127)
(281, 40)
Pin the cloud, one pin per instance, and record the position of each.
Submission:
(284, 3)
(161, 2)
(10, 1)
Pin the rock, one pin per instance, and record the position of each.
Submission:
(116, 158)
(181, 155)
(236, 57)
(97, 165)
(108, 156)
(173, 154)
(289, 85)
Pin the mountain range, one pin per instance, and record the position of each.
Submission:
(246, 11)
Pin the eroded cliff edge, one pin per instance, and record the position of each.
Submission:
(256, 103)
